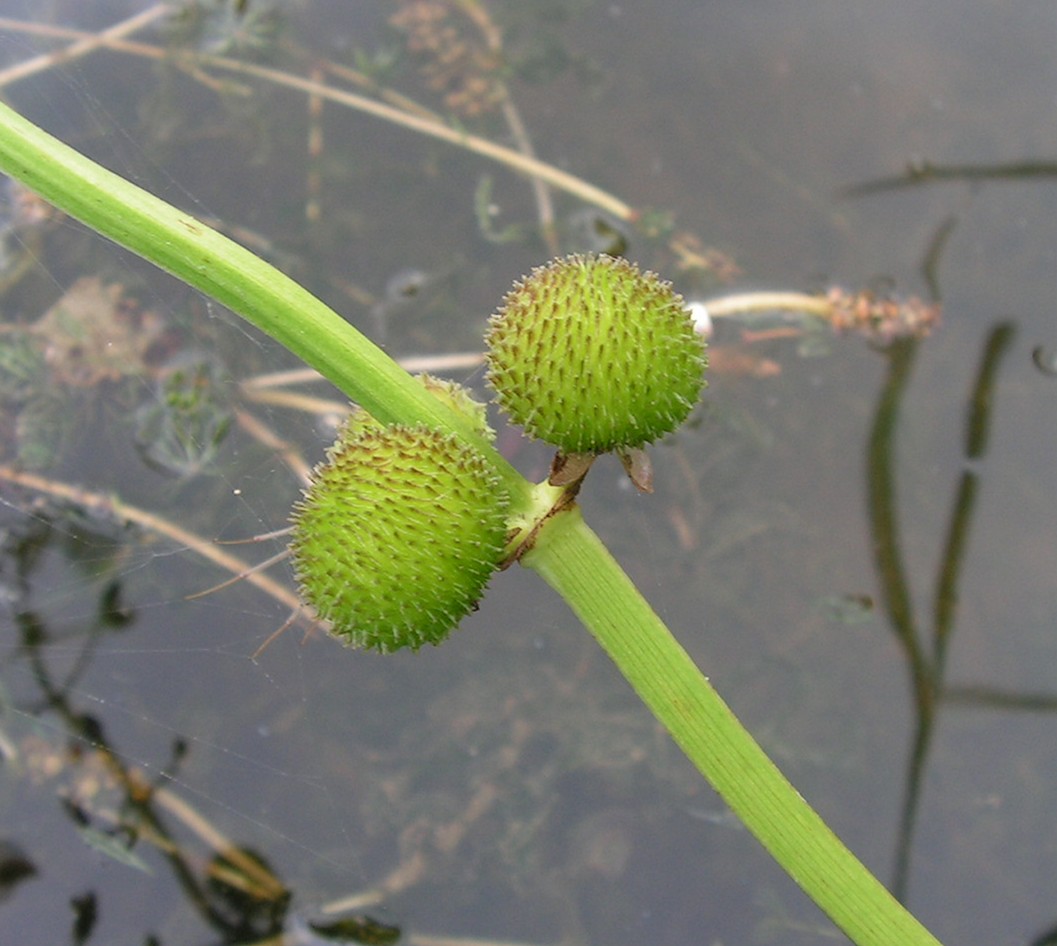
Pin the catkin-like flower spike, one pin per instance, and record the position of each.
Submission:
(397, 536)
(591, 354)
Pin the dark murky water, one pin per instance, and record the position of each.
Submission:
(857, 542)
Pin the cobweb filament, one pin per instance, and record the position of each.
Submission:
(104, 505)
(245, 573)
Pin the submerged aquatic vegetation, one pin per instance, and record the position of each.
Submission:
(95, 334)
(219, 27)
(455, 59)
(180, 429)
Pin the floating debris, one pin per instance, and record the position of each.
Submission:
(1045, 360)
(95, 333)
(881, 318)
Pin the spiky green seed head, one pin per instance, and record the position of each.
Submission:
(591, 355)
(460, 400)
(396, 537)
(453, 394)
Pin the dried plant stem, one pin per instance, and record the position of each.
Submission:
(123, 512)
(880, 318)
(295, 401)
(409, 872)
(232, 864)
(87, 43)
(267, 884)
(470, 359)
(742, 303)
(540, 191)
(398, 100)
(264, 434)
(279, 379)
(531, 167)
(493, 37)
(515, 160)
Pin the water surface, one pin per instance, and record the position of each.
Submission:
(856, 541)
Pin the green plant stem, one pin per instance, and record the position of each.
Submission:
(574, 562)
(233, 276)
(567, 554)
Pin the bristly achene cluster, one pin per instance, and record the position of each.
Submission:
(592, 355)
(398, 535)
(402, 527)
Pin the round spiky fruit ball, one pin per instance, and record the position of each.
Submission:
(591, 355)
(396, 537)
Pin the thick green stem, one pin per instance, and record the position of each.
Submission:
(567, 554)
(573, 561)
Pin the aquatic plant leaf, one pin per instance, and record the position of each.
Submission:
(42, 428)
(114, 847)
(22, 367)
(180, 430)
(357, 929)
(485, 210)
(847, 609)
(218, 27)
